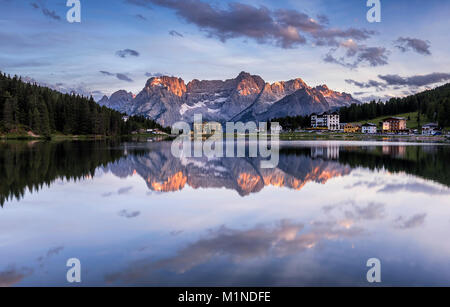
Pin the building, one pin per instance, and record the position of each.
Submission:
(430, 129)
(328, 121)
(394, 124)
(369, 128)
(278, 129)
(207, 127)
(352, 128)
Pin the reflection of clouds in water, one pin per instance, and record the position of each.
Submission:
(176, 232)
(283, 239)
(12, 276)
(124, 190)
(412, 222)
(414, 187)
(366, 184)
(129, 214)
(121, 191)
(373, 211)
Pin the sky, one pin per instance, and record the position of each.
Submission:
(120, 44)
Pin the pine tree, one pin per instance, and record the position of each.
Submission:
(36, 121)
(44, 121)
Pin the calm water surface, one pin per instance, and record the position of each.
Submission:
(135, 215)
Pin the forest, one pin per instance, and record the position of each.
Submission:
(431, 105)
(43, 111)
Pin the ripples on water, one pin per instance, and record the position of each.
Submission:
(135, 215)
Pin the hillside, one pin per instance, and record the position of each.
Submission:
(412, 122)
(431, 106)
(29, 109)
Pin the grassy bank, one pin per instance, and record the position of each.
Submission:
(27, 136)
(362, 137)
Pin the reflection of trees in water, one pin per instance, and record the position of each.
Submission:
(33, 165)
(429, 162)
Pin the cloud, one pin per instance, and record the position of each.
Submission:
(396, 82)
(77, 89)
(128, 214)
(383, 98)
(27, 63)
(368, 84)
(50, 14)
(323, 19)
(417, 80)
(51, 252)
(285, 28)
(141, 17)
(154, 74)
(45, 11)
(420, 46)
(107, 73)
(123, 77)
(143, 3)
(351, 55)
(413, 222)
(127, 52)
(175, 33)
(119, 76)
(12, 276)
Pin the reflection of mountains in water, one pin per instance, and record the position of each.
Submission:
(30, 166)
(166, 173)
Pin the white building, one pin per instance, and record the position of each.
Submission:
(276, 129)
(329, 121)
(369, 128)
(430, 129)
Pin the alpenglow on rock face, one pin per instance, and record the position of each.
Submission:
(245, 98)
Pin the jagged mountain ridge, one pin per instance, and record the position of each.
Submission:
(247, 97)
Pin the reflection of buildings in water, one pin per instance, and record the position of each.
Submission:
(329, 152)
(396, 151)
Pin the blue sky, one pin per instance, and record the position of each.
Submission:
(119, 44)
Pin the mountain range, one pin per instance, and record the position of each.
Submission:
(244, 98)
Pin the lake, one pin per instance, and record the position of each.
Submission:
(135, 215)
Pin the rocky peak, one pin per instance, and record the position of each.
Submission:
(121, 94)
(248, 84)
(104, 100)
(172, 84)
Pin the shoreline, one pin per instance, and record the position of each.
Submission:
(282, 137)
